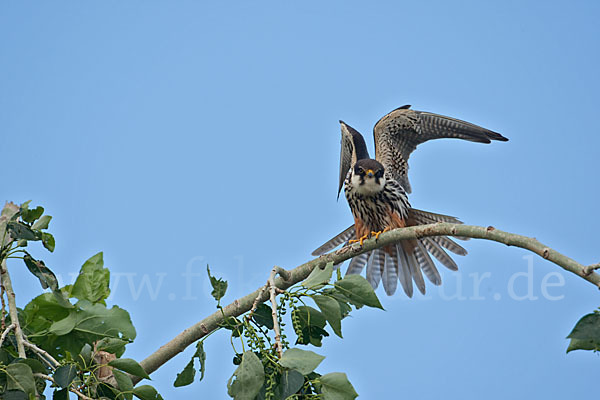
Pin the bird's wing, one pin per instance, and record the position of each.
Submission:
(335, 241)
(353, 149)
(398, 133)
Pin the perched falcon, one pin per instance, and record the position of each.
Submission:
(376, 190)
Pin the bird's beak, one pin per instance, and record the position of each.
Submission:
(370, 173)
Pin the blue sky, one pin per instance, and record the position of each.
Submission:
(174, 134)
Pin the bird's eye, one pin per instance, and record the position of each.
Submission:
(379, 173)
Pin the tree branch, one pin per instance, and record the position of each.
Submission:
(273, 293)
(51, 361)
(12, 308)
(71, 388)
(240, 306)
(5, 333)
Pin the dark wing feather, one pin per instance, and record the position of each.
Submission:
(335, 241)
(353, 149)
(398, 133)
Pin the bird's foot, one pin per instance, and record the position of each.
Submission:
(360, 240)
(379, 233)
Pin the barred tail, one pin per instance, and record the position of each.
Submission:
(403, 263)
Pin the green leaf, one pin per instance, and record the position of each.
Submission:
(319, 277)
(586, 333)
(330, 308)
(42, 223)
(336, 294)
(290, 383)
(219, 286)
(308, 325)
(63, 376)
(62, 298)
(22, 207)
(48, 241)
(62, 394)
(5, 357)
(39, 314)
(342, 300)
(146, 392)
(43, 273)
(65, 325)
(344, 308)
(315, 335)
(86, 323)
(92, 281)
(336, 386)
(576, 344)
(263, 316)
(18, 231)
(46, 308)
(248, 378)
(186, 376)
(84, 358)
(124, 382)
(303, 361)
(357, 289)
(112, 345)
(96, 318)
(35, 365)
(31, 215)
(20, 377)
(15, 395)
(201, 357)
(587, 328)
(104, 391)
(129, 365)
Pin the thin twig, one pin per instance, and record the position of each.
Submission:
(256, 301)
(43, 353)
(272, 290)
(6, 332)
(240, 306)
(12, 308)
(71, 389)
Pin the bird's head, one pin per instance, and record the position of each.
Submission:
(367, 176)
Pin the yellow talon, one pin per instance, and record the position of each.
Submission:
(379, 233)
(361, 239)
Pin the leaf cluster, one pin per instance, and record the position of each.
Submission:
(260, 373)
(75, 339)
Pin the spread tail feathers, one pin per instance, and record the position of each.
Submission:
(358, 263)
(390, 275)
(403, 263)
(376, 266)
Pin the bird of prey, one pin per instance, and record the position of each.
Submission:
(376, 190)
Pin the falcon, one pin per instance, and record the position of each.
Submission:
(377, 193)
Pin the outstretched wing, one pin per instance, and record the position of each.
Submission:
(398, 133)
(353, 149)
